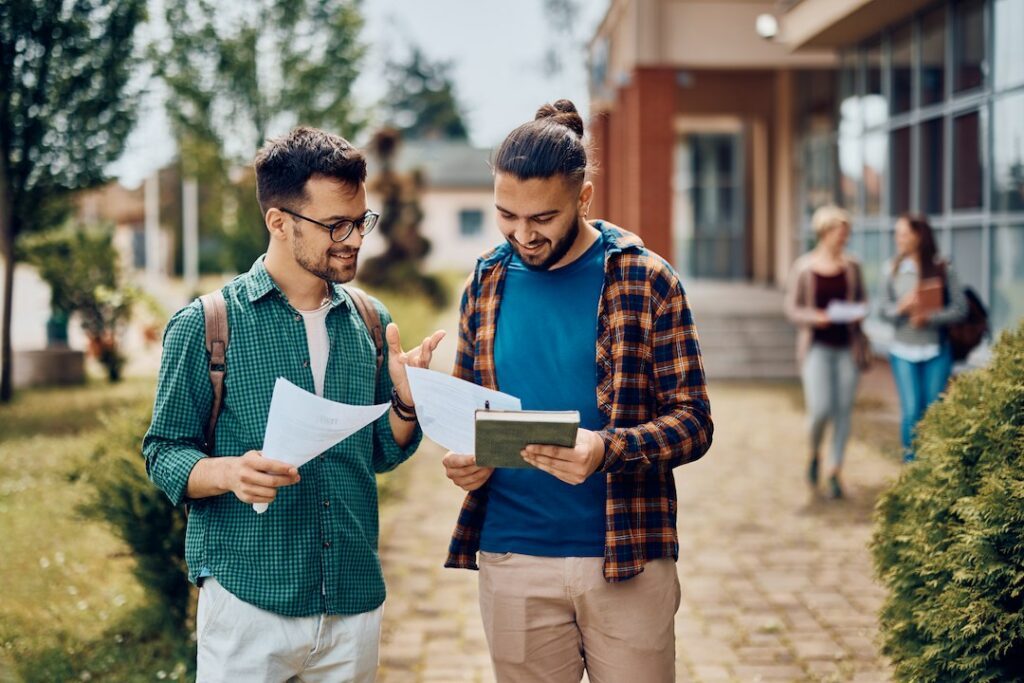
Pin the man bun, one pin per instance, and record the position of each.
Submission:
(563, 112)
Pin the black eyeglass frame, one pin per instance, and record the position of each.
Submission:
(369, 218)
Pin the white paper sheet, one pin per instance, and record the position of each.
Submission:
(446, 407)
(846, 311)
(302, 425)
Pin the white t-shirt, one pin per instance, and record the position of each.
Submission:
(319, 344)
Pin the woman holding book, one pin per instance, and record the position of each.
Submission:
(825, 299)
(921, 297)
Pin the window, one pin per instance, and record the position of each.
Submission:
(902, 69)
(875, 156)
(1008, 153)
(1007, 303)
(933, 57)
(1008, 46)
(930, 172)
(968, 44)
(966, 255)
(900, 176)
(967, 168)
(471, 222)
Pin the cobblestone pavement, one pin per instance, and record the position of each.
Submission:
(777, 583)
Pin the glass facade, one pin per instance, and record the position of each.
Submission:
(929, 117)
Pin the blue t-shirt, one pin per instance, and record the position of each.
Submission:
(545, 353)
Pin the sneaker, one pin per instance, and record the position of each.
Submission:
(812, 472)
(835, 491)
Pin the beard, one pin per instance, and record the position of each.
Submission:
(552, 252)
(329, 265)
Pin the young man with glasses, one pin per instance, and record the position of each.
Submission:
(295, 593)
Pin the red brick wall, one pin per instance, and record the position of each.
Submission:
(633, 149)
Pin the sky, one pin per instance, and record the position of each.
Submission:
(496, 46)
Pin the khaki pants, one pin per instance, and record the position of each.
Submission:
(239, 642)
(548, 618)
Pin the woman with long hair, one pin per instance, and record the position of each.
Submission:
(830, 346)
(921, 297)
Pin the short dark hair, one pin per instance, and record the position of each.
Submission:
(284, 164)
(552, 144)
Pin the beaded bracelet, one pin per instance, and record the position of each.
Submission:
(403, 410)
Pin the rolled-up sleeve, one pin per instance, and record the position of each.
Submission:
(176, 436)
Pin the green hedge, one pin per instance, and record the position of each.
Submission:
(949, 536)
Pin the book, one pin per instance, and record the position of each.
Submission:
(930, 295)
(501, 434)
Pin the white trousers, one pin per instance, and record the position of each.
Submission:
(241, 642)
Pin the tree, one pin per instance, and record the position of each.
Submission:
(236, 74)
(66, 108)
(421, 100)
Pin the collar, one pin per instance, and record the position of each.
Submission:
(259, 284)
(616, 240)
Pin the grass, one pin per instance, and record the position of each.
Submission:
(70, 599)
(72, 608)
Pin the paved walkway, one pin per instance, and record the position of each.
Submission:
(777, 583)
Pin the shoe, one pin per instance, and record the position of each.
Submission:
(812, 472)
(834, 489)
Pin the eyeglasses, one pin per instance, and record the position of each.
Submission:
(342, 229)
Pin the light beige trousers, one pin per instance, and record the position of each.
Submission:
(239, 642)
(548, 618)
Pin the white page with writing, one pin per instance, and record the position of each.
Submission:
(302, 425)
(446, 407)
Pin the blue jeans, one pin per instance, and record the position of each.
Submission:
(919, 385)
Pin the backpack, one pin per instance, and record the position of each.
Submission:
(216, 313)
(964, 335)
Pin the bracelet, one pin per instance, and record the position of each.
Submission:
(404, 411)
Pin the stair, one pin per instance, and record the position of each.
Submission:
(743, 332)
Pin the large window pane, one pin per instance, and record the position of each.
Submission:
(850, 170)
(967, 258)
(1007, 307)
(848, 102)
(902, 68)
(876, 151)
(875, 108)
(1008, 153)
(968, 44)
(900, 173)
(930, 172)
(933, 57)
(819, 171)
(967, 161)
(1008, 43)
(873, 261)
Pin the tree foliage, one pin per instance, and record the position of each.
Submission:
(421, 101)
(949, 540)
(66, 108)
(236, 74)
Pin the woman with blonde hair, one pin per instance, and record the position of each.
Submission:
(920, 357)
(831, 348)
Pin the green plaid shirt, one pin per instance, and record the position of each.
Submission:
(315, 550)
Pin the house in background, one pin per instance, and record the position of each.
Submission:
(716, 144)
(457, 201)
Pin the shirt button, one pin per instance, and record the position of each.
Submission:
(305, 363)
(327, 544)
(327, 503)
(298, 317)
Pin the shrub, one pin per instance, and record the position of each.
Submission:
(139, 513)
(949, 536)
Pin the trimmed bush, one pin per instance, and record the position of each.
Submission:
(949, 535)
(140, 514)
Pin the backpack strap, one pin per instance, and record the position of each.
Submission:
(371, 318)
(215, 310)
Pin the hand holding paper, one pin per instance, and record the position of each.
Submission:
(846, 311)
(301, 426)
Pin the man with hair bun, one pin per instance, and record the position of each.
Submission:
(577, 553)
